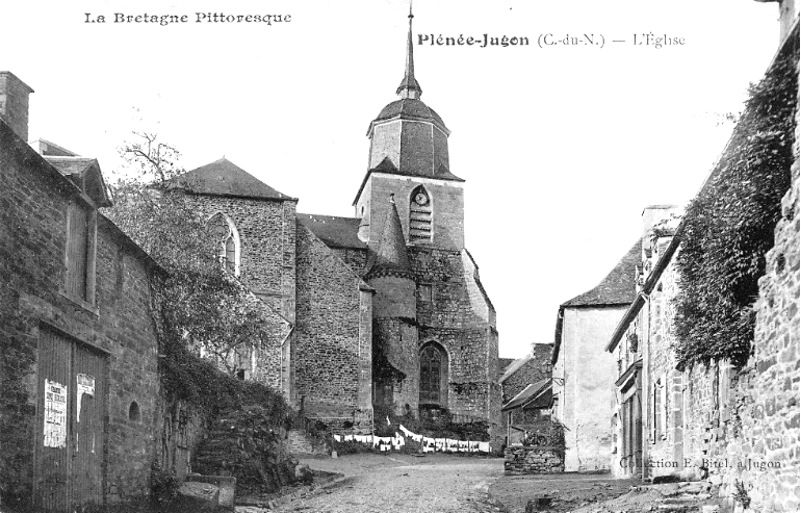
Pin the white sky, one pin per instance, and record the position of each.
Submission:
(561, 147)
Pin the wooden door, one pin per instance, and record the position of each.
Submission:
(88, 429)
(70, 425)
(53, 447)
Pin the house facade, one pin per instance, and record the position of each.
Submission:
(79, 414)
(582, 392)
(734, 425)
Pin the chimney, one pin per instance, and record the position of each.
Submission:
(14, 103)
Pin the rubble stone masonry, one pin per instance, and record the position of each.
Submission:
(521, 459)
(332, 355)
(34, 199)
(267, 231)
(764, 451)
(458, 315)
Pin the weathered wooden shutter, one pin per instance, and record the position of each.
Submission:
(664, 409)
(654, 412)
(77, 251)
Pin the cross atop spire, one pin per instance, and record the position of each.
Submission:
(409, 88)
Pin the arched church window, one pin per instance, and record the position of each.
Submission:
(226, 242)
(420, 215)
(433, 375)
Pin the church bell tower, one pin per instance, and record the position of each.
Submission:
(409, 159)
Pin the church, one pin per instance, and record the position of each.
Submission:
(385, 311)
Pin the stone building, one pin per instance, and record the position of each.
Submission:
(659, 224)
(78, 347)
(387, 310)
(527, 370)
(582, 393)
(737, 427)
(526, 386)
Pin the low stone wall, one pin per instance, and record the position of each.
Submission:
(302, 444)
(533, 459)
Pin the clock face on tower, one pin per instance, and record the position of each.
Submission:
(421, 199)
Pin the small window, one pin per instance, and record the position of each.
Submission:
(80, 252)
(240, 374)
(426, 293)
(133, 412)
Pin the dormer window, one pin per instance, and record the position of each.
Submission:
(420, 216)
(226, 240)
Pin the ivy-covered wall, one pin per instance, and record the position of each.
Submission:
(722, 373)
(728, 227)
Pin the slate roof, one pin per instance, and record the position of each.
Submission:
(13, 147)
(530, 396)
(224, 178)
(618, 286)
(504, 363)
(336, 232)
(71, 166)
(616, 289)
(85, 173)
(514, 367)
(391, 257)
(408, 108)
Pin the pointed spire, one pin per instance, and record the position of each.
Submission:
(409, 88)
(392, 258)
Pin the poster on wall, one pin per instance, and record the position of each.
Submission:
(55, 414)
(86, 385)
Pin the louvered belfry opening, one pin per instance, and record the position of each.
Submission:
(421, 216)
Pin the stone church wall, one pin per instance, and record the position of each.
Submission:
(332, 354)
(355, 258)
(267, 234)
(33, 214)
(450, 316)
(447, 200)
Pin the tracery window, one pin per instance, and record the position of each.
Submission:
(226, 240)
(433, 375)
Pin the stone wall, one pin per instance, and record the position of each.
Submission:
(522, 459)
(267, 231)
(332, 354)
(456, 313)
(33, 215)
(665, 388)
(764, 449)
(737, 427)
(447, 200)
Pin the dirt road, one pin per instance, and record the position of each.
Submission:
(404, 484)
